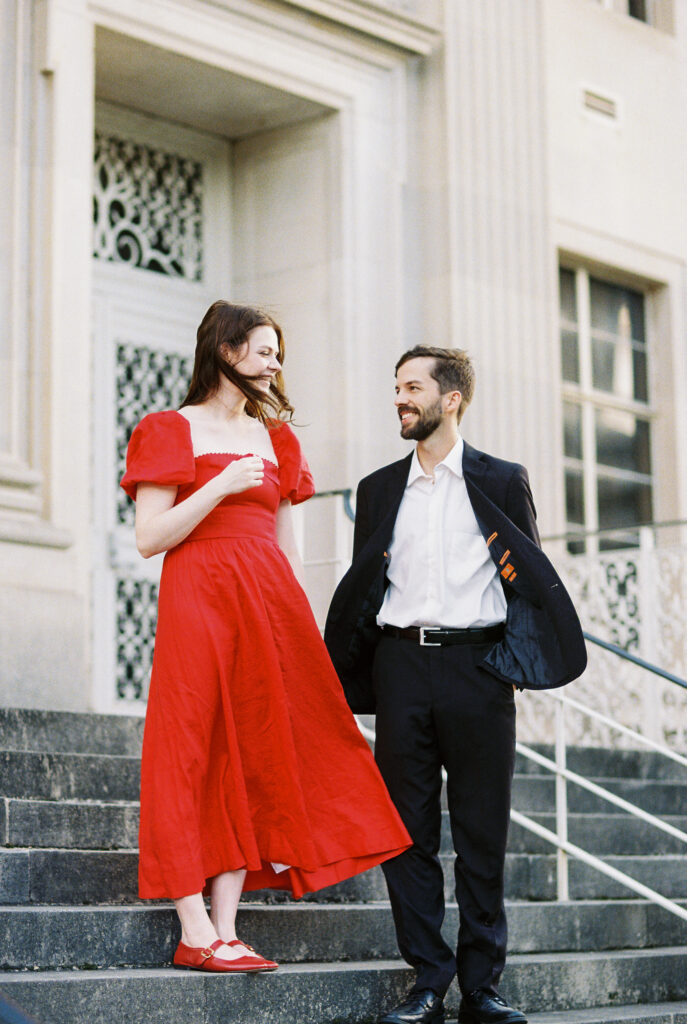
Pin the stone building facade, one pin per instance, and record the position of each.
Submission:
(509, 176)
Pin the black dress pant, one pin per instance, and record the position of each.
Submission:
(436, 706)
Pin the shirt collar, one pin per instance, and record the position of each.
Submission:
(453, 461)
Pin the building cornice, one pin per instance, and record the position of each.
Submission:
(378, 19)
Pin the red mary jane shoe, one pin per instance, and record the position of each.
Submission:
(200, 958)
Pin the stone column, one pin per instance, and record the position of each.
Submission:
(46, 139)
(503, 280)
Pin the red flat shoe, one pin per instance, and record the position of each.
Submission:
(266, 965)
(198, 958)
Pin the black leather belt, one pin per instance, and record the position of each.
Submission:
(434, 636)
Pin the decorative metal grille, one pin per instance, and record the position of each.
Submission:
(136, 624)
(638, 600)
(148, 380)
(607, 588)
(147, 208)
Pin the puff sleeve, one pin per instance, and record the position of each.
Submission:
(160, 452)
(295, 479)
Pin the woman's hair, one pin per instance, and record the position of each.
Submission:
(226, 324)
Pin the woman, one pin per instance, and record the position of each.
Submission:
(254, 774)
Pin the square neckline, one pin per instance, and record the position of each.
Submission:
(201, 455)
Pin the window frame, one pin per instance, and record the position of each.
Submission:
(660, 13)
(590, 399)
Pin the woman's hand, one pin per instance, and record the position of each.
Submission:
(241, 475)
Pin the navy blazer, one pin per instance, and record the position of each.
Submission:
(543, 646)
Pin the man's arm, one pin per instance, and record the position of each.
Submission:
(520, 505)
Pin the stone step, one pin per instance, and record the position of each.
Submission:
(65, 731)
(27, 775)
(346, 993)
(648, 1013)
(97, 825)
(107, 876)
(533, 876)
(600, 834)
(145, 936)
(71, 732)
(67, 776)
(608, 763)
(537, 793)
(69, 824)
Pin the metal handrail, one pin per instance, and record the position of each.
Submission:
(563, 775)
(600, 791)
(599, 865)
(610, 531)
(345, 493)
(612, 724)
(636, 660)
(560, 839)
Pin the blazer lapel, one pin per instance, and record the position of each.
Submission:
(394, 489)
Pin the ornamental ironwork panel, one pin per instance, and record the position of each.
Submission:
(607, 588)
(147, 208)
(136, 611)
(636, 599)
(148, 380)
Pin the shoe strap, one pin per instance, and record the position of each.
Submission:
(209, 951)
(238, 942)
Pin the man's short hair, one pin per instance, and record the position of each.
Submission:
(452, 370)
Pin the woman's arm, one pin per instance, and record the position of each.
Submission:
(287, 540)
(160, 524)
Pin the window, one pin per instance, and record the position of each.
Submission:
(606, 411)
(658, 13)
(638, 9)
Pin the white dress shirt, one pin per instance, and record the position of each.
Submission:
(440, 571)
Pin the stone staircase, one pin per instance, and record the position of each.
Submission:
(77, 946)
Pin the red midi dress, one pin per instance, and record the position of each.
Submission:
(251, 757)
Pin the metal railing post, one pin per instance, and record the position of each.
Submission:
(649, 611)
(563, 890)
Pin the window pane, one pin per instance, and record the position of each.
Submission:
(622, 441)
(574, 498)
(623, 503)
(574, 505)
(639, 363)
(616, 310)
(638, 9)
(570, 356)
(572, 430)
(619, 368)
(566, 283)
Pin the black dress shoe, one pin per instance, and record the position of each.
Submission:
(482, 1007)
(424, 1007)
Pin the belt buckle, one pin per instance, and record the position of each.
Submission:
(427, 643)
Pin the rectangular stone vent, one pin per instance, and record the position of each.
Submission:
(600, 104)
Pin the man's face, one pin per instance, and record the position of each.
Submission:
(419, 404)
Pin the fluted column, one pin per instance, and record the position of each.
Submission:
(503, 283)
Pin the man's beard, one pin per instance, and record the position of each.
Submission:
(426, 423)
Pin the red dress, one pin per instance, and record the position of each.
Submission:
(251, 757)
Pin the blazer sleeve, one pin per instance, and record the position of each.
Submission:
(160, 452)
(361, 529)
(520, 505)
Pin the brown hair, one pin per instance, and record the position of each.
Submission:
(452, 370)
(226, 324)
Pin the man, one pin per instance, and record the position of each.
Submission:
(448, 606)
